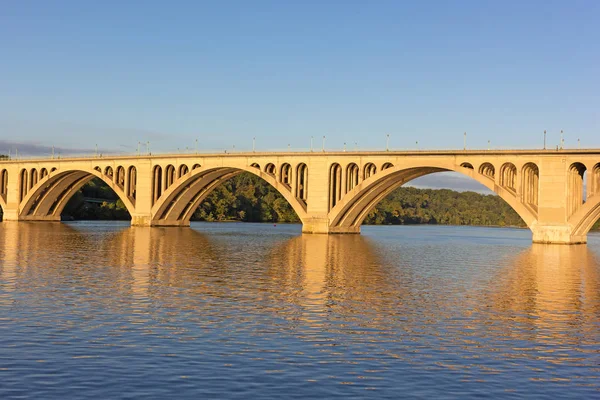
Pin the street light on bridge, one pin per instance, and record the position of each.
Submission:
(323, 143)
(387, 143)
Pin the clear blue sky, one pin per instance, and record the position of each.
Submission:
(75, 73)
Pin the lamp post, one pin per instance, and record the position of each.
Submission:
(344, 147)
(562, 140)
(311, 144)
(148, 147)
(323, 143)
(544, 139)
(196, 145)
(387, 143)
(465, 141)
(254, 144)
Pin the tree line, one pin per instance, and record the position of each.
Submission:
(246, 197)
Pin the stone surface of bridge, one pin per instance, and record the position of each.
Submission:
(332, 192)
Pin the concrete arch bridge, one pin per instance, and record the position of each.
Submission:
(332, 192)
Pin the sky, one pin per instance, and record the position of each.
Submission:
(77, 74)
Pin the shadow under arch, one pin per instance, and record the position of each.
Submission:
(177, 204)
(354, 207)
(48, 198)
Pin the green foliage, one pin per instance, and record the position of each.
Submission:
(245, 197)
(105, 205)
(408, 205)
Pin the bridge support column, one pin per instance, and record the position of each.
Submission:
(321, 225)
(556, 234)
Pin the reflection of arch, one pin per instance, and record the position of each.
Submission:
(48, 198)
(467, 165)
(335, 184)
(508, 176)
(178, 202)
(549, 290)
(369, 170)
(348, 214)
(352, 172)
(575, 187)
(530, 182)
(488, 170)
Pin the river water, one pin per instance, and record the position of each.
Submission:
(102, 310)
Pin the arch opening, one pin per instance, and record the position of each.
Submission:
(95, 200)
(575, 192)
(335, 185)
(352, 211)
(270, 169)
(352, 175)
(369, 170)
(3, 184)
(286, 175)
(594, 189)
(157, 180)
(50, 197)
(487, 169)
(183, 169)
(228, 193)
(467, 165)
(530, 185)
(508, 176)
(169, 177)
(302, 182)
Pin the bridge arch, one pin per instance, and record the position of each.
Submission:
(487, 169)
(349, 213)
(48, 198)
(3, 187)
(180, 200)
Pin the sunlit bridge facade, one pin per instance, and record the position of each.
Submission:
(556, 193)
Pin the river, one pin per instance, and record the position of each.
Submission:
(237, 311)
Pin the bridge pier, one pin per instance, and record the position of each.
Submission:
(319, 225)
(556, 234)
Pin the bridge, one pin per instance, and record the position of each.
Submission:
(332, 192)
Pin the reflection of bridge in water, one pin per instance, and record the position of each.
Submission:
(547, 292)
(332, 192)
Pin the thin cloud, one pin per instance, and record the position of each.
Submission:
(37, 149)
